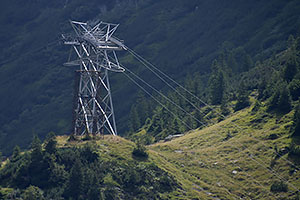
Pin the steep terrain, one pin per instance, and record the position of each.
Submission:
(101, 168)
(181, 37)
(241, 157)
(233, 108)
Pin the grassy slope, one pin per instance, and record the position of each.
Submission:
(204, 163)
(111, 147)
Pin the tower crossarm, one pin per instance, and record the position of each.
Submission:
(95, 50)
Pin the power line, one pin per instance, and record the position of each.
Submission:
(182, 109)
(164, 96)
(141, 87)
(185, 124)
(145, 61)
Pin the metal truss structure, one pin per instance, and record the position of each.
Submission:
(95, 55)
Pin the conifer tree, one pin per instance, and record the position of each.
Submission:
(291, 65)
(296, 131)
(216, 84)
(36, 147)
(142, 107)
(75, 183)
(16, 153)
(294, 88)
(38, 167)
(290, 68)
(50, 146)
(134, 123)
(242, 98)
(33, 192)
(281, 99)
(247, 63)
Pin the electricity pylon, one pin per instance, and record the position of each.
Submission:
(95, 51)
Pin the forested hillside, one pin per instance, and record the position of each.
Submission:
(104, 168)
(249, 155)
(181, 38)
(209, 102)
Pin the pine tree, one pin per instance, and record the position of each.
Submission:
(242, 98)
(75, 182)
(247, 63)
(16, 153)
(134, 122)
(36, 147)
(216, 84)
(284, 101)
(291, 65)
(290, 69)
(281, 99)
(50, 146)
(294, 88)
(142, 106)
(296, 131)
(33, 192)
(38, 167)
(232, 63)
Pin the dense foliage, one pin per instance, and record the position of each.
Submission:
(48, 172)
(228, 88)
(181, 37)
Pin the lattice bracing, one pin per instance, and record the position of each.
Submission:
(95, 50)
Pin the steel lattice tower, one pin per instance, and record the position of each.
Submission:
(95, 51)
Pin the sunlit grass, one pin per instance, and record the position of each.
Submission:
(237, 167)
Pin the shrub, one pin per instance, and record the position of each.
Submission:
(140, 151)
(294, 88)
(281, 99)
(294, 149)
(72, 138)
(242, 101)
(296, 131)
(33, 192)
(279, 186)
(87, 137)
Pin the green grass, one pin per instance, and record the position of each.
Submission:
(110, 147)
(209, 167)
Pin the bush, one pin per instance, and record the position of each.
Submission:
(1, 195)
(140, 151)
(294, 88)
(281, 99)
(242, 101)
(296, 131)
(294, 149)
(256, 106)
(87, 137)
(33, 192)
(72, 138)
(279, 186)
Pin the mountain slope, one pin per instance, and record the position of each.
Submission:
(180, 37)
(102, 168)
(240, 157)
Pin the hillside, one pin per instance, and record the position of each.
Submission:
(101, 168)
(240, 157)
(207, 108)
(182, 38)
